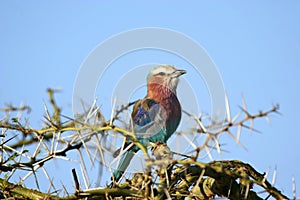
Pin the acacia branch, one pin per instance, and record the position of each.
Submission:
(183, 178)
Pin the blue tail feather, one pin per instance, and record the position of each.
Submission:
(123, 164)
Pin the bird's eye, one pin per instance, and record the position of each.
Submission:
(161, 73)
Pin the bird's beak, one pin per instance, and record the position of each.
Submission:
(178, 73)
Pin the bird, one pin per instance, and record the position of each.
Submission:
(155, 117)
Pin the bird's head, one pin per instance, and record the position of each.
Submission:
(164, 76)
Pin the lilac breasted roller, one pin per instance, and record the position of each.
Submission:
(156, 117)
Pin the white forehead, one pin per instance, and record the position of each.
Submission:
(163, 68)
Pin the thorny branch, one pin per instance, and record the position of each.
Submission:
(26, 149)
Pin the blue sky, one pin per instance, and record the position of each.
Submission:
(255, 46)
